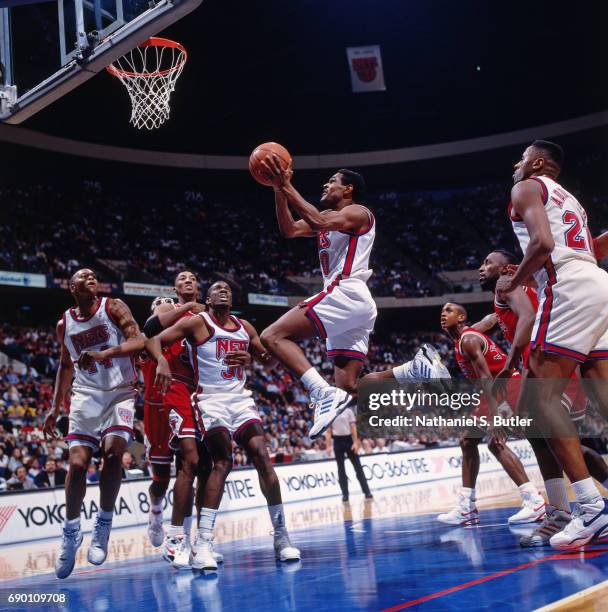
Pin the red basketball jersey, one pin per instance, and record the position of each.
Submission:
(507, 319)
(494, 357)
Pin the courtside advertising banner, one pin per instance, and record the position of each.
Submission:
(365, 64)
(36, 515)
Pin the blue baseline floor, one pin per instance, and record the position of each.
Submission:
(372, 564)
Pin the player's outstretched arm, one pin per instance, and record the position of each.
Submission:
(63, 381)
(527, 201)
(257, 348)
(288, 226)
(166, 315)
(487, 323)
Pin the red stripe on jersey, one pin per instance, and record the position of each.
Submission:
(350, 255)
(544, 188)
(545, 318)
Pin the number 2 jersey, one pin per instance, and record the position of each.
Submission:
(96, 333)
(568, 223)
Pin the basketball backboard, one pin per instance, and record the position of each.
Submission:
(49, 47)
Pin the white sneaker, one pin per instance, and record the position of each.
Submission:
(532, 510)
(589, 522)
(555, 520)
(327, 404)
(465, 513)
(201, 555)
(98, 550)
(70, 544)
(433, 360)
(156, 533)
(171, 544)
(283, 549)
(181, 552)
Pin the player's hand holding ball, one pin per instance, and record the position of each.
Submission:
(270, 164)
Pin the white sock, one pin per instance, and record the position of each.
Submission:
(156, 506)
(468, 494)
(557, 494)
(277, 516)
(207, 521)
(187, 524)
(72, 524)
(106, 515)
(175, 530)
(402, 373)
(527, 490)
(312, 380)
(586, 492)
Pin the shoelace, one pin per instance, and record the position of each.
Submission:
(102, 530)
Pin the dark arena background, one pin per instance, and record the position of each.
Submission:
(433, 103)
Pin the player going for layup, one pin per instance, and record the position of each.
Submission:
(228, 412)
(571, 325)
(479, 358)
(344, 312)
(515, 313)
(101, 407)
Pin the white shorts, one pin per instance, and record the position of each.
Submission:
(344, 314)
(572, 316)
(95, 414)
(227, 412)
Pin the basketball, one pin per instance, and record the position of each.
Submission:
(256, 168)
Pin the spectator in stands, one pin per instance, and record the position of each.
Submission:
(20, 481)
(16, 460)
(51, 476)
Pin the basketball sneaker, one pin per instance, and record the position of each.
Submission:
(328, 403)
(532, 510)
(589, 522)
(283, 549)
(98, 550)
(181, 552)
(465, 513)
(555, 520)
(201, 554)
(70, 543)
(156, 533)
(426, 364)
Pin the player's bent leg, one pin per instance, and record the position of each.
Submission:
(252, 439)
(161, 475)
(75, 490)
(465, 512)
(347, 373)
(113, 448)
(219, 444)
(280, 338)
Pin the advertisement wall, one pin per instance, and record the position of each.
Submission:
(36, 515)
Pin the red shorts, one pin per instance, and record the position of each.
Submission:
(164, 425)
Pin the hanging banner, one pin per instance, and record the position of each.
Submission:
(365, 65)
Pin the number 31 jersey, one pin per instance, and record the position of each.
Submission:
(568, 223)
(211, 373)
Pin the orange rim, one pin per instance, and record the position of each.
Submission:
(153, 42)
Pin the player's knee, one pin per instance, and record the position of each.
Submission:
(223, 466)
(189, 464)
(468, 445)
(270, 336)
(79, 463)
(158, 488)
(495, 447)
(350, 386)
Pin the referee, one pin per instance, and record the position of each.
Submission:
(346, 444)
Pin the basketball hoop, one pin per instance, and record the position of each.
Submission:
(149, 72)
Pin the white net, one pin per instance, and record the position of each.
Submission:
(149, 72)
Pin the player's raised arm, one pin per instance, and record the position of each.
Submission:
(257, 348)
(487, 323)
(63, 380)
(527, 201)
(288, 226)
(134, 339)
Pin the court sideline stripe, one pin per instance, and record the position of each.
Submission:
(466, 585)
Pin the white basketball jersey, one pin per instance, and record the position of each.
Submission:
(96, 333)
(345, 255)
(211, 373)
(568, 223)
